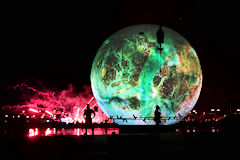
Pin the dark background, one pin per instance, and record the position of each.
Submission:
(56, 43)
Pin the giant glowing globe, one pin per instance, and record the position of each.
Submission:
(142, 66)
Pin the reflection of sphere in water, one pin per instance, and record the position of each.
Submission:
(132, 73)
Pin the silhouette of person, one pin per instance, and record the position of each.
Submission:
(88, 118)
(160, 38)
(88, 115)
(157, 116)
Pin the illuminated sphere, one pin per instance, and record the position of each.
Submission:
(142, 66)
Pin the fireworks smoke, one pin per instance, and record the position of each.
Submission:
(67, 102)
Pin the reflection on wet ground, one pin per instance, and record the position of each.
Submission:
(134, 143)
(52, 131)
(71, 131)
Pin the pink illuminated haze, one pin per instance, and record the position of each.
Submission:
(66, 102)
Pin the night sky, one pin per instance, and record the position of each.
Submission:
(56, 43)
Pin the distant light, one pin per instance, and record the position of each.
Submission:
(212, 110)
(6, 115)
(218, 110)
(32, 132)
(13, 116)
(47, 120)
(18, 116)
(194, 110)
(238, 110)
(33, 116)
(48, 131)
(36, 132)
(48, 112)
(67, 120)
(54, 130)
(78, 132)
(27, 116)
(33, 110)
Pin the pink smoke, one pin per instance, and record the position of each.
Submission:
(66, 102)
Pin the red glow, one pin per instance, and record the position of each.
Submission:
(90, 100)
(87, 103)
(33, 110)
(32, 132)
(94, 105)
(48, 112)
(48, 132)
(78, 132)
(36, 132)
(74, 131)
(77, 114)
(84, 108)
(65, 103)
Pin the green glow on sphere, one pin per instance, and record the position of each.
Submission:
(130, 75)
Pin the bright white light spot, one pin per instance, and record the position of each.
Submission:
(154, 92)
(67, 120)
(138, 96)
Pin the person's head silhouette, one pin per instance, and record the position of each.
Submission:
(157, 107)
(87, 106)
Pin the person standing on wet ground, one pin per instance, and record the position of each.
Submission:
(157, 116)
(88, 117)
(157, 119)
